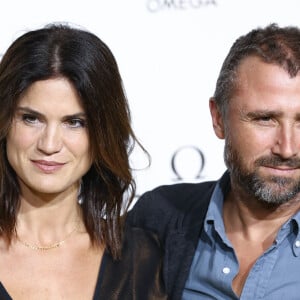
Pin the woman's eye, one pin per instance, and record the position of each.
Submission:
(76, 123)
(30, 119)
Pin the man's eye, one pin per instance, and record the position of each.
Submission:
(76, 123)
(264, 119)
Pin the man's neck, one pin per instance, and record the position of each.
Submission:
(253, 219)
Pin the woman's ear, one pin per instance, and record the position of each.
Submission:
(217, 119)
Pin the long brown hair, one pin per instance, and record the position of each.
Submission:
(82, 58)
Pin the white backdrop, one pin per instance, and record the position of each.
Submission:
(169, 54)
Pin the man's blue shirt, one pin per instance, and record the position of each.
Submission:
(275, 274)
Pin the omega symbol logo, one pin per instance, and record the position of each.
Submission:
(187, 163)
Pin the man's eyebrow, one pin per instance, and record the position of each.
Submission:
(263, 113)
(267, 113)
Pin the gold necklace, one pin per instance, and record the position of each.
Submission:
(48, 247)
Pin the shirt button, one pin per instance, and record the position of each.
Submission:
(297, 244)
(226, 270)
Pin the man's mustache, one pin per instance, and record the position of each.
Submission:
(276, 161)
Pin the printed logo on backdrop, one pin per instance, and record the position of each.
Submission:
(187, 163)
(160, 5)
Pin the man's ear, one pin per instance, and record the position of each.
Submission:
(217, 119)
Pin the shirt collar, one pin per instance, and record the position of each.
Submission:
(214, 214)
(291, 227)
(215, 207)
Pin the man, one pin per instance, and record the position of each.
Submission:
(239, 238)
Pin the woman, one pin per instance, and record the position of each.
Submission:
(65, 137)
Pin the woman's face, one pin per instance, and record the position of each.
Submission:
(48, 144)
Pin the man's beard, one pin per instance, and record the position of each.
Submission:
(273, 190)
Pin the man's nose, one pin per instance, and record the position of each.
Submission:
(287, 141)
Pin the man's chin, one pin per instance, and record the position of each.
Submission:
(276, 191)
(278, 184)
(272, 190)
(282, 181)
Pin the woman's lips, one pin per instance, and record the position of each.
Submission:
(48, 166)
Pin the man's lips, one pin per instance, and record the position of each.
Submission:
(281, 170)
(283, 167)
(48, 166)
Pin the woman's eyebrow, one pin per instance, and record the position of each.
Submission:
(76, 115)
(26, 109)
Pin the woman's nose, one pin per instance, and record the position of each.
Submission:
(50, 140)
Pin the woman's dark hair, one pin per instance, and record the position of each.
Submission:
(272, 44)
(82, 58)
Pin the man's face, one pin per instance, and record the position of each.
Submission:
(262, 132)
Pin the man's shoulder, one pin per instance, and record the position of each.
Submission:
(177, 206)
(175, 213)
(181, 196)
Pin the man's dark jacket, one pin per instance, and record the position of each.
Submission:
(175, 213)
